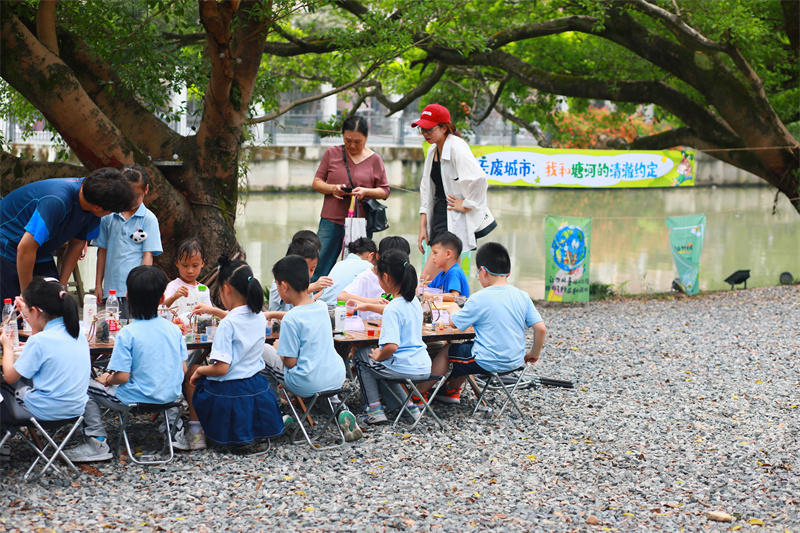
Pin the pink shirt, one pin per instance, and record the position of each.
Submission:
(368, 173)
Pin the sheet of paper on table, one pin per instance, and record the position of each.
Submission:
(443, 317)
(354, 323)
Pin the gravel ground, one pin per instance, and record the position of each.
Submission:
(680, 407)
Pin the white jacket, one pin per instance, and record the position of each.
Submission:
(462, 177)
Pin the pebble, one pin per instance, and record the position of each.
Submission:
(680, 408)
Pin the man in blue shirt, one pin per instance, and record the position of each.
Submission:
(35, 220)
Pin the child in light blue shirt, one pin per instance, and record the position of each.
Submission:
(126, 240)
(307, 249)
(232, 400)
(305, 361)
(361, 257)
(401, 352)
(146, 366)
(500, 314)
(50, 378)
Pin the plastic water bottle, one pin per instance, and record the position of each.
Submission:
(10, 326)
(340, 317)
(89, 308)
(112, 308)
(204, 320)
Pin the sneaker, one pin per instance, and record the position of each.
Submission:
(179, 441)
(414, 412)
(416, 400)
(448, 395)
(349, 426)
(288, 422)
(197, 441)
(374, 416)
(90, 451)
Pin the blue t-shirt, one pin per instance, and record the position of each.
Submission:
(452, 280)
(49, 210)
(500, 315)
(59, 366)
(240, 342)
(306, 335)
(124, 253)
(343, 273)
(402, 325)
(153, 352)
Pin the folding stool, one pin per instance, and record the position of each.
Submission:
(147, 408)
(411, 387)
(494, 381)
(320, 430)
(44, 427)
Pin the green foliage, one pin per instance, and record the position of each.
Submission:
(600, 291)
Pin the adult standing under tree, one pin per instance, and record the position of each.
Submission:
(368, 177)
(35, 220)
(453, 186)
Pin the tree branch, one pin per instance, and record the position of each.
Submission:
(18, 171)
(678, 27)
(532, 128)
(413, 94)
(46, 24)
(291, 105)
(493, 98)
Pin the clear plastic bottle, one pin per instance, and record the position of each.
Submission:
(203, 297)
(112, 308)
(10, 328)
(340, 317)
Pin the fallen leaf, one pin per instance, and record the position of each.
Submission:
(718, 516)
(531, 457)
(755, 522)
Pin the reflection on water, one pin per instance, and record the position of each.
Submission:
(629, 237)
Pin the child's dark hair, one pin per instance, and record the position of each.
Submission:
(310, 235)
(394, 243)
(189, 248)
(292, 269)
(146, 285)
(493, 256)
(239, 275)
(105, 187)
(356, 123)
(136, 174)
(361, 245)
(48, 295)
(397, 264)
(305, 248)
(450, 241)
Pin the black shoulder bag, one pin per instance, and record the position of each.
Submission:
(374, 211)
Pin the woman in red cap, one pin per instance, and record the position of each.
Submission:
(453, 187)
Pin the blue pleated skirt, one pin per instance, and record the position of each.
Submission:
(238, 411)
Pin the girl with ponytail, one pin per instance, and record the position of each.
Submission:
(231, 400)
(50, 379)
(401, 352)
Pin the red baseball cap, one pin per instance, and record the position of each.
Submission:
(432, 115)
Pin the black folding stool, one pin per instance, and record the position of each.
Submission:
(45, 428)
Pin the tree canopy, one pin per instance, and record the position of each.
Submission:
(722, 74)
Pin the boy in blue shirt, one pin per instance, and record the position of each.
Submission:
(35, 220)
(500, 314)
(147, 366)
(308, 249)
(126, 240)
(445, 254)
(305, 361)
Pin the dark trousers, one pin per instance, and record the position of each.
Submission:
(9, 280)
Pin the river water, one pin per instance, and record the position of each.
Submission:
(630, 247)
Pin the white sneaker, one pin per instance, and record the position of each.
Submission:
(347, 421)
(373, 416)
(179, 442)
(197, 441)
(90, 451)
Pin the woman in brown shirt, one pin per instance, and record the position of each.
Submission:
(369, 180)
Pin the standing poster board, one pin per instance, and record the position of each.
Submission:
(568, 241)
(686, 242)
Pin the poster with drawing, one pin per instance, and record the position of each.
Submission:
(686, 242)
(568, 241)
